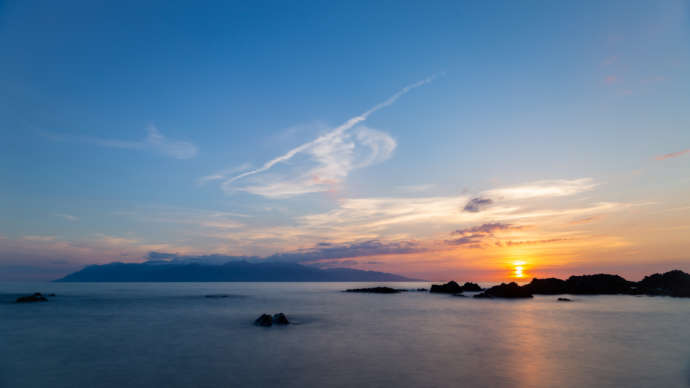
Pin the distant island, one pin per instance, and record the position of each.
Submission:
(232, 271)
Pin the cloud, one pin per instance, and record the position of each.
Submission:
(327, 251)
(475, 235)
(475, 205)
(154, 141)
(534, 242)
(332, 157)
(673, 154)
(611, 79)
(39, 238)
(542, 189)
(68, 217)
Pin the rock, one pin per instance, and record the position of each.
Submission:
(598, 284)
(264, 320)
(564, 300)
(50, 295)
(449, 288)
(376, 290)
(471, 287)
(36, 297)
(422, 290)
(280, 319)
(549, 286)
(215, 296)
(673, 283)
(511, 290)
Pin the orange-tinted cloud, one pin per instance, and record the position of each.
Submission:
(673, 154)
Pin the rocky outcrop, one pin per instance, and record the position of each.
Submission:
(35, 297)
(598, 284)
(449, 288)
(672, 283)
(564, 300)
(510, 291)
(266, 320)
(550, 286)
(376, 290)
(471, 287)
(454, 288)
(280, 319)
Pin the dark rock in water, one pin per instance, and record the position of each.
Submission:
(376, 290)
(36, 297)
(280, 319)
(564, 300)
(511, 290)
(264, 320)
(50, 295)
(460, 295)
(598, 284)
(215, 296)
(449, 288)
(673, 283)
(422, 290)
(471, 287)
(550, 286)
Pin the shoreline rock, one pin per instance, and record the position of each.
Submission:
(35, 297)
(506, 291)
(376, 290)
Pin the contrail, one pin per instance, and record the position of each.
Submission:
(335, 132)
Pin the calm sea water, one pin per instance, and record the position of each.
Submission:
(170, 335)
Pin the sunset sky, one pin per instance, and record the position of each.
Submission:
(437, 140)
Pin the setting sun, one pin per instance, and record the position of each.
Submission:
(518, 269)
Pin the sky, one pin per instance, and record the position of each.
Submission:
(482, 141)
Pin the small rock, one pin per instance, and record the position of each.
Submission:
(217, 296)
(376, 290)
(36, 297)
(264, 320)
(564, 300)
(280, 319)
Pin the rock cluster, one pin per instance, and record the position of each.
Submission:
(454, 288)
(266, 320)
(35, 297)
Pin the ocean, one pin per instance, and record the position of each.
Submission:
(171, 335)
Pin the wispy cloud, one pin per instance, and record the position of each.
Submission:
(541, 189)
(329, 251)
(475, 205)
(68, 217)
(332, 156)
(154, 141)
(673, 154)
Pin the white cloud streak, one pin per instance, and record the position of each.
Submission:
(334, 152)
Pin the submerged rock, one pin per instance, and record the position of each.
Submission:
(511, 290)
(280, 319)
(216, 296)
(376, 290)
(564, 300)
(36, 297)
(264, 320)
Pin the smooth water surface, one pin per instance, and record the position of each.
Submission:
(170, 335)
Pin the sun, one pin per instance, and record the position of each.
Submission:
(519, 269)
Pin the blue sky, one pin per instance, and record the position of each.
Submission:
(124, 125)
